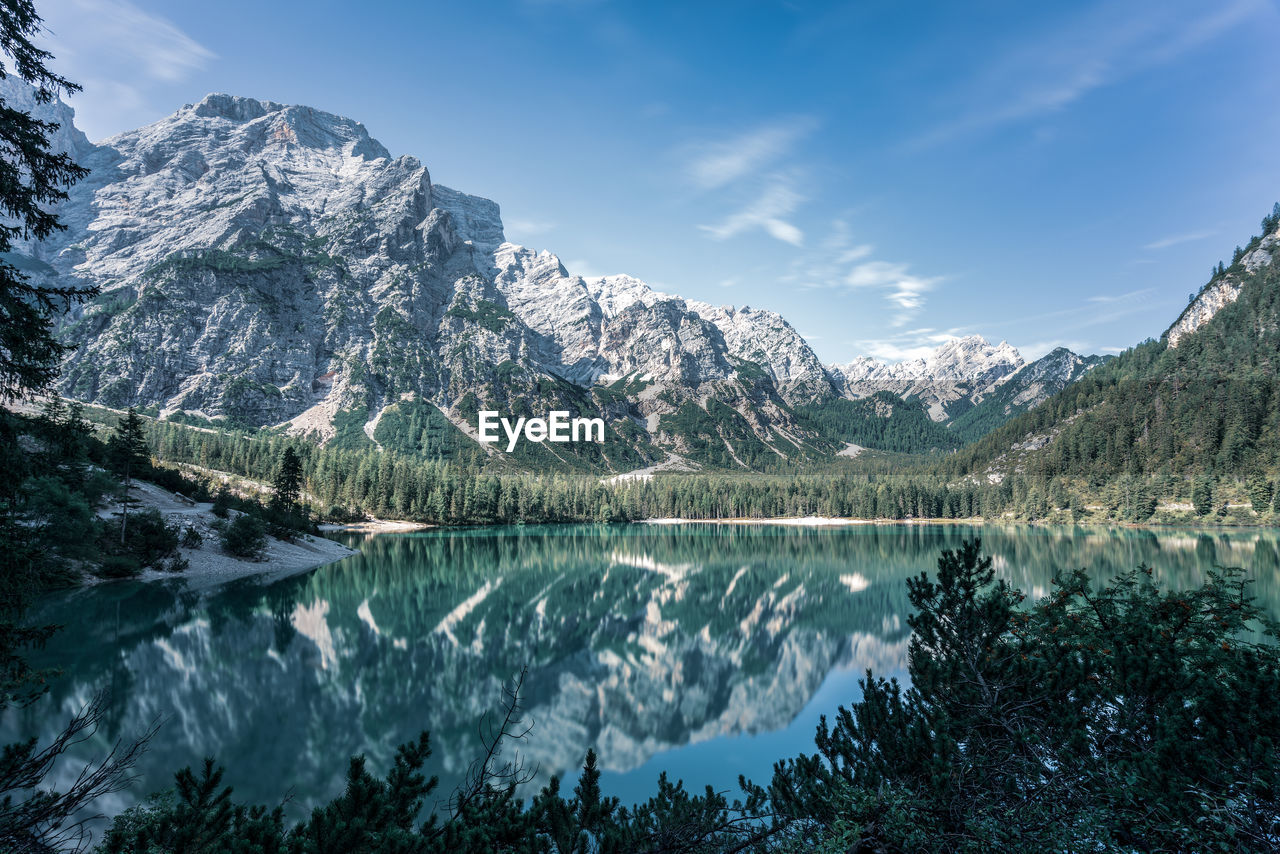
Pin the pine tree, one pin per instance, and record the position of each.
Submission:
(128, 453)
(288, 480)
(1064, 726)
(1202, 496)
(1261, 492)
(33, 177)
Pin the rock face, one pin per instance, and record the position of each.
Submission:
(276, 265)
(1221, 291)
(951, 379)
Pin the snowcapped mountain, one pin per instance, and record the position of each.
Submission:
(955, 376)
(276, 265)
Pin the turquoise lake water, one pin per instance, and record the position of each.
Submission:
(706, 651)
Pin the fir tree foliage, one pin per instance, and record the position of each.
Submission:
(1261, 491)
(128, 454)
(287, 483)
(33, 177)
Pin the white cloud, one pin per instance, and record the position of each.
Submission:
(528, 227)
(903, 289)
(750, 174)
(909, 344)
(839, 261)
(894, 351)
(117, 52)
(1166, 242)
(582, 268)
(769, 212)
(718, 164)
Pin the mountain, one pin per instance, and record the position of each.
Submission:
(275, 266)
(1029, 386)
(948, 381)
(957, 394)
(1204, 399)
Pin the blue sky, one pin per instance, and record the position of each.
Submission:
(886, 175)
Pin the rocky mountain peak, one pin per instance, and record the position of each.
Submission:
(973, 352)
(236, 108)
(955, 375)
(274, 124)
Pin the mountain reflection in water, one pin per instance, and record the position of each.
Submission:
(656, 646)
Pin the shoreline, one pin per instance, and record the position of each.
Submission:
(975, 521)
(377, 526)
(211, 567)
(207, 564)
(812, 521)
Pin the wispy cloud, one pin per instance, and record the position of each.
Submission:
(902, 289)
(118, 51)
(770, 212)
(1111, 299)
(1174, 240)
(713, 165)
(529, 227)
(1105, 46)
(1096, 310)
(583, 268)
(752, 174)
(841, 262)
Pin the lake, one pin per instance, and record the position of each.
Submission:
(707, 651)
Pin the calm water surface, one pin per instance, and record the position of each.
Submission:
(707, 651)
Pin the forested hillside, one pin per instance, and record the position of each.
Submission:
(883, 421)
(1205, 407)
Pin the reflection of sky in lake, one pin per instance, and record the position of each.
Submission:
(704, 651)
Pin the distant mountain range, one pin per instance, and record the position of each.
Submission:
(274, 265)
